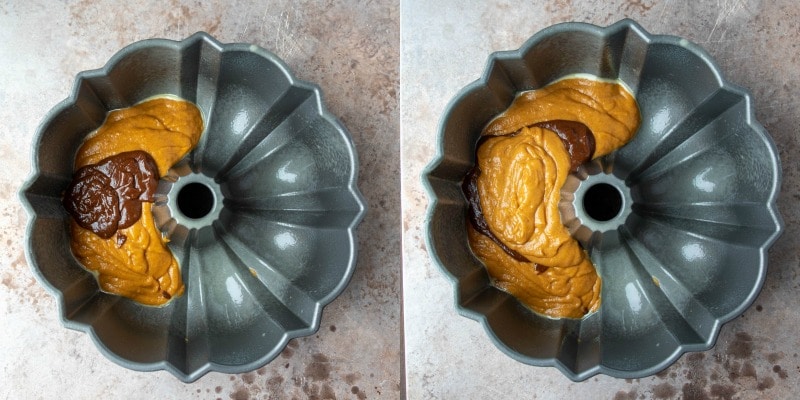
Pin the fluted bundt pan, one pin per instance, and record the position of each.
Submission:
(678, 222)
(261, 215)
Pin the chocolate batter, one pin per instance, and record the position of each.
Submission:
(108, 196)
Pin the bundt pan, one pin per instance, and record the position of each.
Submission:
(261, 215)
(678, 222)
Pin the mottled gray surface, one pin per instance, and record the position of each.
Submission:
(445, 47)
(350, 49)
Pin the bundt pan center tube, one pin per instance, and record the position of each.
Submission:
(677, 222)
(261, 215)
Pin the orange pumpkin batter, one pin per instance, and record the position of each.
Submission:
(522, 167)
(140, 266)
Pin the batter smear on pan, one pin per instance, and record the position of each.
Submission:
(523, 159)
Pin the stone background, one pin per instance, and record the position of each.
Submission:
(350, 49)
(357, 51)
(445, 46)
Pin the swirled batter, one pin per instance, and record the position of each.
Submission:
(523, 160)
(130, 258)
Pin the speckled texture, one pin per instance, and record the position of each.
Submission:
(351, 50)
(445, 47)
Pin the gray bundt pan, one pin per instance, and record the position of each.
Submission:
(686, 249)
(267, 237)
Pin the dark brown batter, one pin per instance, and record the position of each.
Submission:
(108, 196)
(577, 138)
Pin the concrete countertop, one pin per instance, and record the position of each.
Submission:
(350, 49)
(445, 46)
